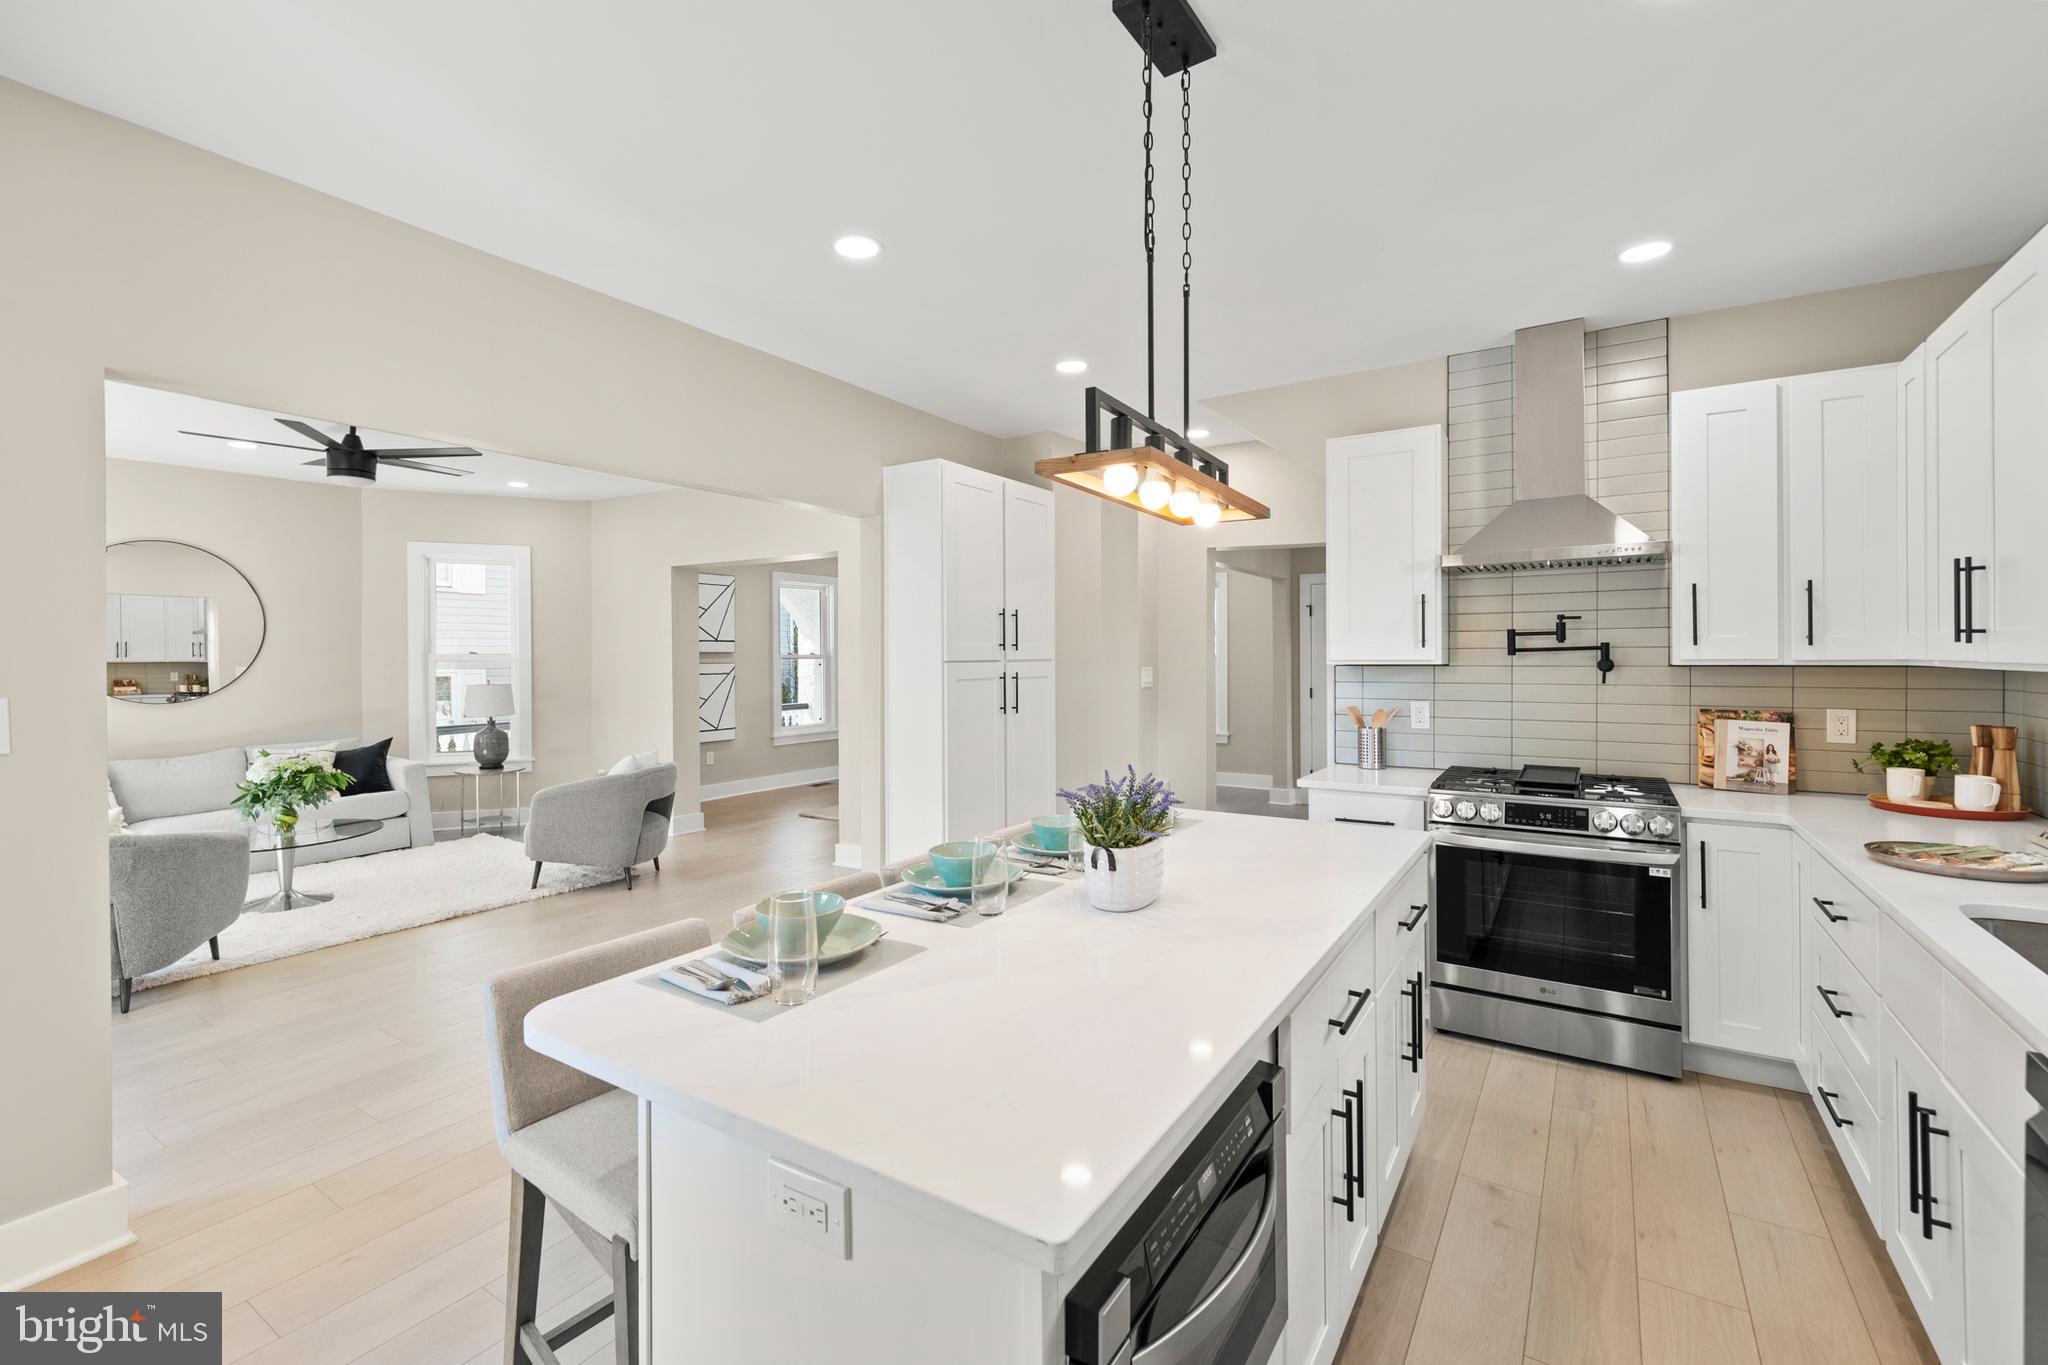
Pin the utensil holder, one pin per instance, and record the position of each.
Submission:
(1372, 746)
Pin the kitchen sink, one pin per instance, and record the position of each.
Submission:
(2027, 937)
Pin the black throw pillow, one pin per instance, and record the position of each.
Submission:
(367, 766)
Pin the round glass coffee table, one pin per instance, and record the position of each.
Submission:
(266, 838)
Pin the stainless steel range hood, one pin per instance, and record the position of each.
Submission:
(1552, 523)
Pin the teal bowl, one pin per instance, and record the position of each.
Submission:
(964, 862)
(1055, 832)
(829, 905)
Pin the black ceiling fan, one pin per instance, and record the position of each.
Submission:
(347, 459)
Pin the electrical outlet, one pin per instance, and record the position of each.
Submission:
(1418, 715)
(1841, 727)
(809, 1208)
(1145, 677)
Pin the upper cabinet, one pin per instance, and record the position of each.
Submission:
(1987, 470)
(997, 571)
(1385, 533)
(1846, 504)
(1725, 581)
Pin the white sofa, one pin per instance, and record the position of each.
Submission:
(195, 791)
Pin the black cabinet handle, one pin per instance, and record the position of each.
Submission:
(1703, 874)
(1409, 924)
(1354, 820)
(1809, 613)
(1913, 1192)
(1017, 631)
(1425, 621)
(1925, 1131)
(1357, 1092)
(1358, 999)
(1828, 908)
(1002, 694)
(1347, 1202)
(1016, 694)
(1827, 997)
(1002, 633)
(1695, 616)
(1967, 571)
(1415, 1063)
(1827, 1099)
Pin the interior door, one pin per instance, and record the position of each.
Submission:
(1315, 668)
(976, 620)
(1028, 572)
(977, 723)
(1030, 744)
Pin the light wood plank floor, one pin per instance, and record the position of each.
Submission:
(1559, 1213)
(312, 1137)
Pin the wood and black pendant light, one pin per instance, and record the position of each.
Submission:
(1169, 476)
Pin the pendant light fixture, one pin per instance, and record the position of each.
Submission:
(1168, 475)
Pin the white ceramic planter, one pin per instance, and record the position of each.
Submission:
(1121, 879)
(1907, 784)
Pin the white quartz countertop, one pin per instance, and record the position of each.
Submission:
(1025, 1078)
(1345, 777)
(1930, 908)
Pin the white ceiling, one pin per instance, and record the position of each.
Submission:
(1376, 180)
(145, 424)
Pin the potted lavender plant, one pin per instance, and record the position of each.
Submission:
(1122, 821)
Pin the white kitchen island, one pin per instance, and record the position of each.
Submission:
(997, 1104)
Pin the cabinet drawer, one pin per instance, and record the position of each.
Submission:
(1315, 1029)
(1401, 923)
(1851, 918)
(1365, 808)
(1848, 1116)
(1848, 1011)
(1911, 982)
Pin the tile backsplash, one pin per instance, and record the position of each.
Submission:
(1491, 710)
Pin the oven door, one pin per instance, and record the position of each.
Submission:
(1564, 922)
(1224, 1302)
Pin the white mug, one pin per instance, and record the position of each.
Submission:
(1976, 793)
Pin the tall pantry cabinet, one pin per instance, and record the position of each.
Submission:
(969, 722)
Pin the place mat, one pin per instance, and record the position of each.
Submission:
(1023, 892)
(881, 957)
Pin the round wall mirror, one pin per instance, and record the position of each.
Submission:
(182, 623)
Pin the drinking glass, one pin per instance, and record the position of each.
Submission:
(792, 947)
(991, 893)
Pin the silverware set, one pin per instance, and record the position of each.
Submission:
(709, 972)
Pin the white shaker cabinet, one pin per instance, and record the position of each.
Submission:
(976, 720)
(1846, 508)
(1384, 527)
(1725, 581)
(1028, 571)
(1743, 951)
(1987, 476)
(1030, 741)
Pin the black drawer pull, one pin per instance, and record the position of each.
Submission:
(1827, 1099)
(1420, 911)
(1354, 820)
(1828, 908)
(1351, 1177)
(1358, 999)
(1827, 997)
(1357, 1094)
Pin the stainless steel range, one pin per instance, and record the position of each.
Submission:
(1558, 922)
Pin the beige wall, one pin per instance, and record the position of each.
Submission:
(752, 753)
(1256, 643)
(149, 260)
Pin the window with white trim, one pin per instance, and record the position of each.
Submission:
(806, 680)
(470, 621)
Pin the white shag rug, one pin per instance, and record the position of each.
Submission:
(382, 893)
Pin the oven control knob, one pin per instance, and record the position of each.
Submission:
(1661, 826)
(1490, 811)
(1466, 810)
(1441, 808)
(1631, 823)
(1604, 821)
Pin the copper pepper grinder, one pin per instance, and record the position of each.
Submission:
(2005, 764)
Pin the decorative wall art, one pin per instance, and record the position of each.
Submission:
(716, 617)
(717, 707)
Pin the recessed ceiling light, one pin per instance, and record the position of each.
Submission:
(1072, 367)
(1198, 433)
(857, 246)
(517, 483)
(243, 445)
(1645, 251)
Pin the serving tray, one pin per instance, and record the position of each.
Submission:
(1972, 862)
(1946, 810)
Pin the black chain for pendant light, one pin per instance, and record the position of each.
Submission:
(1187, 235)
(1151, 238)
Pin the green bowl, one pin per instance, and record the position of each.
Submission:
(963, 862)
(829, 905)
(1055, 832)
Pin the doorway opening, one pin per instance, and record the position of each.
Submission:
(1271, 686)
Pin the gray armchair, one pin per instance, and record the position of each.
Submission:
(618, 820)
(169, 893)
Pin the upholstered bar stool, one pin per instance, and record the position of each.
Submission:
(572, 1141)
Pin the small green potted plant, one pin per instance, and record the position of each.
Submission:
(281, 787)
(1121, 821)
(1910, 766)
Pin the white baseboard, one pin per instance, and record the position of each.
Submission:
(1286, 796)
(1741, 1066)
(747, 786)
(690, 823)
(847, 856)
(53, 1240)
(1263, 781)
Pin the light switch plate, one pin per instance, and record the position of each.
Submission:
(6, 730)
(1841, 727)
(809, 1208)
(1145, 677)
(1418, 715)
